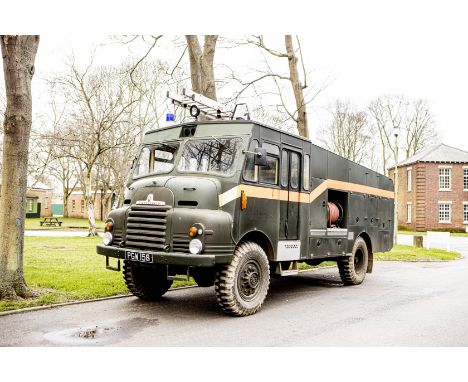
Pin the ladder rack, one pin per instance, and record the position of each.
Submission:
(198, 104)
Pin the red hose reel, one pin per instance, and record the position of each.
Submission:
(334, 213)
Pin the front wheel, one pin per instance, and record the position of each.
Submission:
(353, 269)
(242, 285)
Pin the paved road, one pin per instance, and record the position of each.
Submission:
(404, 304)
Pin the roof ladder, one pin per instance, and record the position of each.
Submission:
(198, 104)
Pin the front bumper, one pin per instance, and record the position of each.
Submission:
(170, 258)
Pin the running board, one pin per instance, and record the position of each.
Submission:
(288, 272)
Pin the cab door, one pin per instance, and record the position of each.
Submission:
(290, 188)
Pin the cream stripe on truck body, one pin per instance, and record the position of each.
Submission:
(301, 197)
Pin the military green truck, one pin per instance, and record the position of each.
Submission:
(235, 202)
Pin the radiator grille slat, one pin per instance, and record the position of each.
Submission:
(180, 243)
(146, 227)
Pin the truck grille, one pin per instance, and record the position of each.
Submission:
(180, 243)
(146, 227)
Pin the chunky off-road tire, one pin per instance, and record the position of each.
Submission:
(147, 283)
(353, 269)
(242, 285)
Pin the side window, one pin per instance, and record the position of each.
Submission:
(250, 170)
(143, 166)
(295, 170)
(305, 177)
(269, 173)
(284, 168)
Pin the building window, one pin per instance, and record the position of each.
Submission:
(82, 206)
(445, 212)
(465, 212)
(46, 202)
(30, 205)
(409, 178)
(465, 179)
(444, 178)
(73, 205)
(408, 212)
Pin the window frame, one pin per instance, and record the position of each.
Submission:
(278, 162)
(181, 148)
(465, 212)
(409, 212)
(285, 184)
(445, 203)
(306, 159)
(465, 178)
(299, 173)
(448, 174)
(409, 179)
(245, 162)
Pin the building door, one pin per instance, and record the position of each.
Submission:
(290, 187)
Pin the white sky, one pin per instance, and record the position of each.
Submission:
(367, 49)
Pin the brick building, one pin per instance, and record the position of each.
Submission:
(433, 189)
(38, 199)
(77, 207)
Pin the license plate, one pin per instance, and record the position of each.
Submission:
(139, 256)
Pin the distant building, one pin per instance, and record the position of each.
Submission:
(433, 189)
(77, 206)
(38, 199)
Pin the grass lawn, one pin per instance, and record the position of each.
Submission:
(68, 269)
(68, 223)
(410, 253)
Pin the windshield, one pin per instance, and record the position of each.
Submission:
(157, 159)
(213, 156)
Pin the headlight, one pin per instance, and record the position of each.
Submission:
(107, 238)
(195, 246)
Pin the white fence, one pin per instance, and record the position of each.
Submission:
(437, 237)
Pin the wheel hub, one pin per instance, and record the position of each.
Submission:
(249, 280)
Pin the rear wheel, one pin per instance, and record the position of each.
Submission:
(353, 269)
(242, 285)
(147, 283)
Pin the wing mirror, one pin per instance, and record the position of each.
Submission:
(260, 156)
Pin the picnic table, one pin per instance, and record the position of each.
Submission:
(50, 222)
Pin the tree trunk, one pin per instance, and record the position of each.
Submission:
(19, 53)
(89, 203)
(202, 65)
(66, 195)
(302, 125)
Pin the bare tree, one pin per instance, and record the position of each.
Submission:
(387, 113)
(294, 56)
(202, 64)
(411, 118)
(419, 128)
(348, 134)
(101, 99)
(19, 53)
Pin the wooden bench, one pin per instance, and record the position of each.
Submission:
(49, 222)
